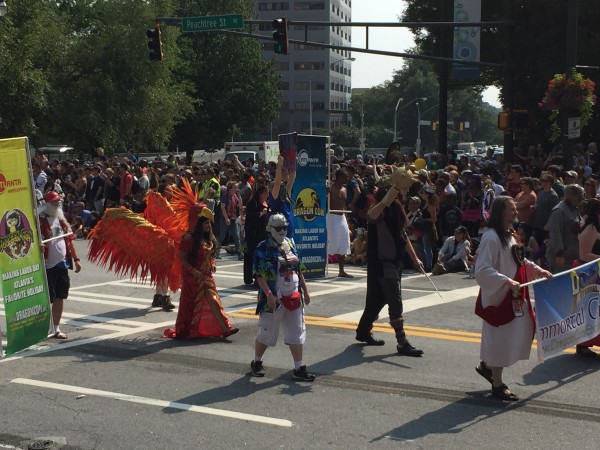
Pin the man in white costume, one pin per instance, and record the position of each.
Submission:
(507, 339)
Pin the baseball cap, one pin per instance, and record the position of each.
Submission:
(423, 173)
(415, 199)
(461, 229)
(51, 197)
(571, 173)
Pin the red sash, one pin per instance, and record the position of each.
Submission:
(503, 313)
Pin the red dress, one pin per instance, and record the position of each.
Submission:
(201, 312)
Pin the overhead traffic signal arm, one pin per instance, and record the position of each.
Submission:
(280, 36)
(155, 43)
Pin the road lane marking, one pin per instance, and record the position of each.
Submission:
(414, 304)
(155, 402)
(44, 348)
(411, 330)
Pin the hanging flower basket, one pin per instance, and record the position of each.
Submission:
(567, 92)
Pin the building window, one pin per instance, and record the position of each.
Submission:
(283, 66)
(305, 86)
(273, 6)
(284, 85)
(318, 106)
(309, 5)
(309, 66)
(300, 105)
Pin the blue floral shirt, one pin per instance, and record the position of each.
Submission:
(265, 264)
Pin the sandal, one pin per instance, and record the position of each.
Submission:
(59, 335)
(483, 370)
(503, 393)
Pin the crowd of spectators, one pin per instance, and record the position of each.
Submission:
(451, 193)
(448, 208)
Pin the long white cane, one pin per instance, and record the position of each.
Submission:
(57, 237)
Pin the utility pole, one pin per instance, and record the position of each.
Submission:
(310, 104)
(571, 63)
(445, 50)
(418, 144)
(508, 83)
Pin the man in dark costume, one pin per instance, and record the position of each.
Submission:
(387, 242)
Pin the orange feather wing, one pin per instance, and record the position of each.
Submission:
(132, 246)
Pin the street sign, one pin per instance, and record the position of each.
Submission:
(211, 23)
(574, 127)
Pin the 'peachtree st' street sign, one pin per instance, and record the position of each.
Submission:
(209, 23)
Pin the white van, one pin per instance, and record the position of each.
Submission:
(260, 150)
(467, 147)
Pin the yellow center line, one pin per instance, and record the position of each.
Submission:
(433, 333)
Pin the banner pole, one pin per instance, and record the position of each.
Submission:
(556, 275)
(57, 237)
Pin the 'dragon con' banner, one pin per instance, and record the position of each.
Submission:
(23, 285)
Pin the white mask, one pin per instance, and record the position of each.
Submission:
(277, 227)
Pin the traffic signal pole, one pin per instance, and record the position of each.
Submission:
(508, 82)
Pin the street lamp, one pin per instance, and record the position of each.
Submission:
(3, 8)
(333, 64)
(395, 115)
(404, 107)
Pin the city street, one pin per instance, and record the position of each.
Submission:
(116, 383)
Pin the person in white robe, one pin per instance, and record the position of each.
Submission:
(504, 345)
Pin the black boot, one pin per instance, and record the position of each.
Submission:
(157, 301)
(369, 339)
(167, 305)
(403, 347)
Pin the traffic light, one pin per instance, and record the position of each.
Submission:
(461, 126)
(434, 125)
(280, 35)
(504, 120)
(155, 43)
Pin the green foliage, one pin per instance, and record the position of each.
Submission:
(416, 80)
(78, 73)
(235, 87)
(540, 46)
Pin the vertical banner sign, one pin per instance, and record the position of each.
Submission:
(567, 309)
(23, 284)
(309, 199)
(466, 39)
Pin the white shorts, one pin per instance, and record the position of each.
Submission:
(338, 235)
(294, 329)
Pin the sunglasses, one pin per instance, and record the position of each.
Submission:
(284, 227)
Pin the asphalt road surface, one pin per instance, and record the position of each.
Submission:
(116, 383)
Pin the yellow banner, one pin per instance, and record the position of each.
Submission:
(23, 284)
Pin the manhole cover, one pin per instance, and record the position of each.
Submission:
(40, 445)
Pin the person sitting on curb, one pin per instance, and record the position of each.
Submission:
(454, 254)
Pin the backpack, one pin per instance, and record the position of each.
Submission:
(135, 186)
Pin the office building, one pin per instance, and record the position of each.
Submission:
(320, 76)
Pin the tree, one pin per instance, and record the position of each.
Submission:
(31, 39)
(234, 85)
(539, 50)
(413, 82)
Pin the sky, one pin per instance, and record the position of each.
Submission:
(372, 70)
